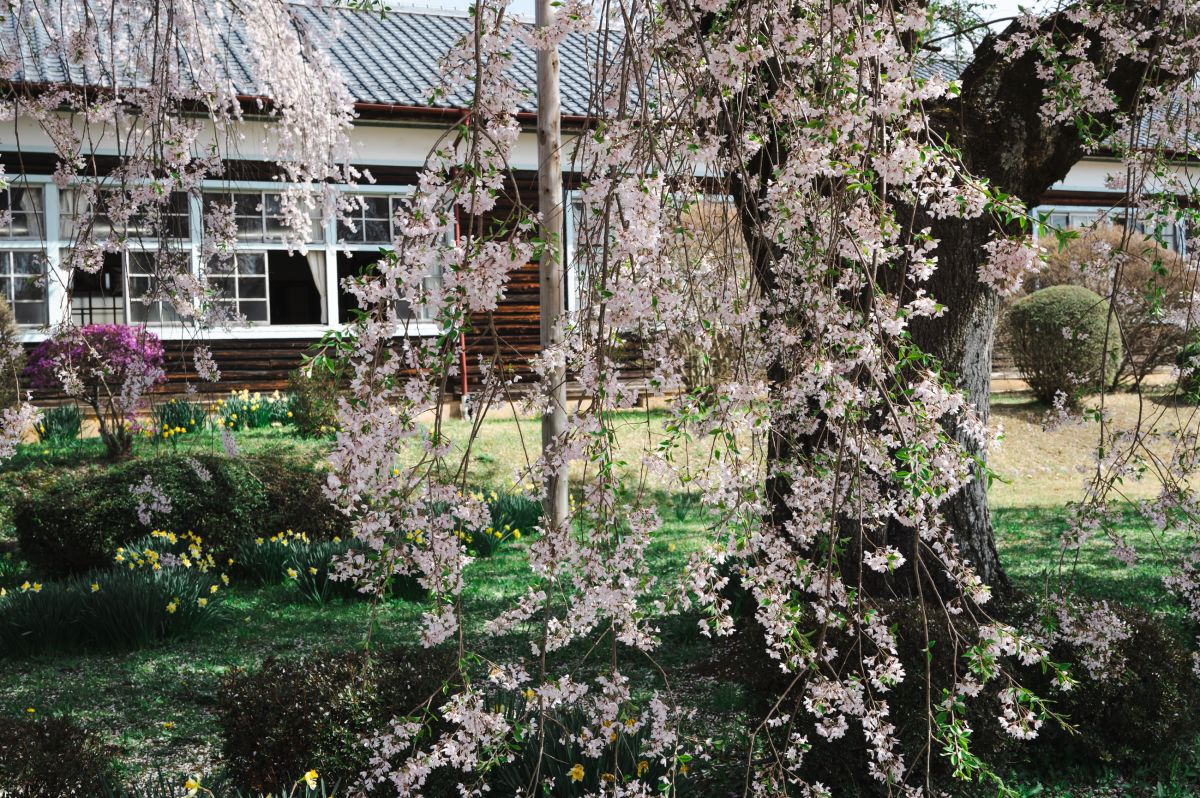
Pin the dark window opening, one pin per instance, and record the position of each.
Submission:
(99, 297)
(356, 264)
(297, 288)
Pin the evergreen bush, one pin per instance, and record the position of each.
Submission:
(1064, 342)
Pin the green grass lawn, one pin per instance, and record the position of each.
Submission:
(1030, 544)
(158, 703)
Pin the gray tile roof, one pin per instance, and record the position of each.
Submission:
(395, 60)
(388, 61)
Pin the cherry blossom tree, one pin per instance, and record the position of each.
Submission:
(884, 204)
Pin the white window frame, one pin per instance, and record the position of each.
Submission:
(57, 297)
(9, 277)
(1094, 213)
(36, 245)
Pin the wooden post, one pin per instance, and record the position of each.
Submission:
(550, 199)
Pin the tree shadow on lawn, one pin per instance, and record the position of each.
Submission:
(1030, 543)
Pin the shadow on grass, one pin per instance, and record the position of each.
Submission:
(1030, 540)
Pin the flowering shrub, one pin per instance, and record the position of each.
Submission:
(509, 514)
(176, 417)
(108, 366)
(514, 512)
(294, 558)
(245, 410)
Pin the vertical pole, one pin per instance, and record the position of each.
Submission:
(550, 199)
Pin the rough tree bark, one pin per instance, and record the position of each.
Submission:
(997, 126)
(995, 123)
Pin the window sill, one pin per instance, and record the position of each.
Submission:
(177, 332)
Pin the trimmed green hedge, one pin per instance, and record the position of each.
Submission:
(1060, 343)
(78, 520)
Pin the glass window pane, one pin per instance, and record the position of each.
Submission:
(344, 233)
(28, 288)
(252, 287)
(25, 204)
(224, 286)
(316, 227)
(254, 311)
(27, 263)
(141, 312)
(247, 205)
(277, 230)
(252, 263)
(28, 282)
(139, 286)
(375, 207)
(141, 263)
(249, 228)
(30, 312)
(153, 312)
(212, 198)
(378, 231)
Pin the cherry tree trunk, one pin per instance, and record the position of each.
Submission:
(962, 340)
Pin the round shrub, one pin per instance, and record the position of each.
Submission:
(77, 522)
(1059, 342)
(1152, 286)
(52, 757)
(295, 496)
(292, 715)
(1187, 360)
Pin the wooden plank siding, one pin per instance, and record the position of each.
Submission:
(508, 337)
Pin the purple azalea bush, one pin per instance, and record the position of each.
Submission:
(108, 366)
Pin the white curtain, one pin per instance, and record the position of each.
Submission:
(30, 202)
(316, 266)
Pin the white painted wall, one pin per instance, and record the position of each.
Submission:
(374, 143)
